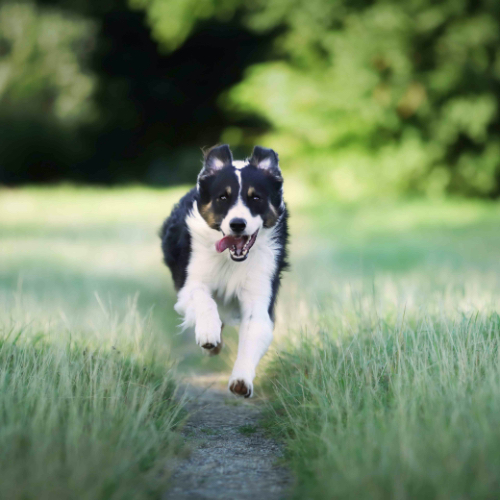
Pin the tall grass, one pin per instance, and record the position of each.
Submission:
(381, 409)
(87, 373)
(70, 249)
(386, 382)
(84, 416)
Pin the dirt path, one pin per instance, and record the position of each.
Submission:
(231, 457)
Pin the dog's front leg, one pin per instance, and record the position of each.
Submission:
(195, 302)
(255, 336)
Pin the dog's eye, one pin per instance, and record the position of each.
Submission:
(223, 197)
(256, 197)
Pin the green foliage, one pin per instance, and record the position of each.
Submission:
(42, 56)
(247, 430)
(382, 96)
(172, 22)
(45, 91)
(368, 97)
(360, 98)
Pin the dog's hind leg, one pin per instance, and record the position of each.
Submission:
(195, 302)
(255, 336)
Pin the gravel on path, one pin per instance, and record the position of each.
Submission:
(231, 456)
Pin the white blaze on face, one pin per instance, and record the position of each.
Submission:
(241, 211)
(239, 164)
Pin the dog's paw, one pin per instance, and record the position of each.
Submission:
(213, 351)
(241, 386)
(208, 333)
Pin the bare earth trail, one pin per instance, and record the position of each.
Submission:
(231, 456)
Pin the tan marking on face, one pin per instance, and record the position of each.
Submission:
(228, 191)
(208, 215)
(251, 192)
(271, 216)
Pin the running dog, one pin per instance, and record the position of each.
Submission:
(236, 206)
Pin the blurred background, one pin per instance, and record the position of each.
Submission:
(362, 98)
(385, 115)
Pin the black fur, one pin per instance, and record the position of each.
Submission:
(176, 240)
(268, 190)
(282, 238)
(213, 157)
(260, 155)
(212, 187)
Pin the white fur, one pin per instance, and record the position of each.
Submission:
(240, 210)
(213, 276)
(265, 164)
(239, 164)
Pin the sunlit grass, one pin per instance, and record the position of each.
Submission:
(87, 373)
(65, 247)
(86, 411)
(392, 407)
(387, 333)
(386, 380)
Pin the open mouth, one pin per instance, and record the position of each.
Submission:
(239, 246)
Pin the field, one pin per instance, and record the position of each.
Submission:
(383, 377)
(387, 383)
(87, 373)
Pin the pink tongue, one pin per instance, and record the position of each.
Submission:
(229, 241)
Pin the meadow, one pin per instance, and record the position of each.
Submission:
(382, 378)
(386, 380)
(87, 377)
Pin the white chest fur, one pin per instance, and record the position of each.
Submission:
(228, 280)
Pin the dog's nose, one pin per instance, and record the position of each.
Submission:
(238, 225)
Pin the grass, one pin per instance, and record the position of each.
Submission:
(76, 253)
(384, 409)
(87, 377)
(247, 430)
(383, 374)
(209, 432)
(386, 383)
(80, 418)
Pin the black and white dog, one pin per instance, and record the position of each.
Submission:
(237, 206)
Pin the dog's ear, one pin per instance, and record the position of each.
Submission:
(215, 159)
(266, 159)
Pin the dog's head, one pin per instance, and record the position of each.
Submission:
(239, 198)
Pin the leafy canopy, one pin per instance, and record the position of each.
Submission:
(380, 96)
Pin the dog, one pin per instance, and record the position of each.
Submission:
(225, 243)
